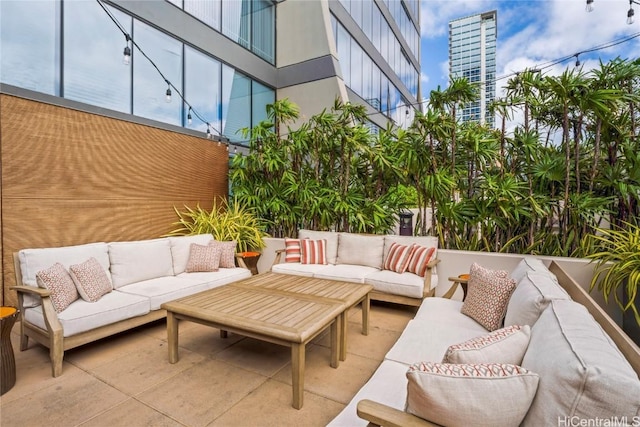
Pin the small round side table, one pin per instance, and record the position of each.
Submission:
(8, 317)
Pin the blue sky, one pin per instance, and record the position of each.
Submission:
(530, 33)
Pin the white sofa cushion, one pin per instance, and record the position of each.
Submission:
(387, 385)
(136, 261)
(527, 264)
(345, 272)
(360, 249)
(582, 372)
(506, 345)
(331, 238)
(34, 260)
(532, 295)
(83, 316)
(297, 268)
(219, 278)
(181, 247)
(465, 394)
(405, 284)
(163, 289)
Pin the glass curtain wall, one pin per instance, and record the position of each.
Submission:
(91, 71)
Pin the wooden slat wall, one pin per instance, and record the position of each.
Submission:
(70, 177)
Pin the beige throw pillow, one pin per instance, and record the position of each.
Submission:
(470, 395)
(57, 280)
(203, 258)
(90, 279)
(487, 296)
(227, 253)
(507, 345)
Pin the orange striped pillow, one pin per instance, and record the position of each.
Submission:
(420, 257)
(291, 250)
(313, 251)
(398, 257)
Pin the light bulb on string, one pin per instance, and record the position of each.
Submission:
(589, 7)
(189, 119)
(168, 98)
(126, 56)
(630, 14)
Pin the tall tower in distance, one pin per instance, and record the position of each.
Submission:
(472, 54)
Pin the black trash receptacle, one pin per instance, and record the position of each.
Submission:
(406, 223)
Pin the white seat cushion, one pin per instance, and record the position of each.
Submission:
(181, 248)
(345, 272)
(136, 261)
(83, 316)
(218, 278)
(406, 284)
(388, 385)
(297, 268)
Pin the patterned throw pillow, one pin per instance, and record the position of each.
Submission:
(487, 296)
(90, 279)
(506, 345)
(203, 258)
(227, 253)
(420, 258)
(292, 250)
(398, 257)
(470, 395)
(57, 280)
(313, 251)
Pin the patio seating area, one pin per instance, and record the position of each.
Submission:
(235, 381)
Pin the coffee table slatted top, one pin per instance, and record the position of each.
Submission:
(290, 317)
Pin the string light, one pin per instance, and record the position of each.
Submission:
(577, 60)
(126, 58)
(189, 119)
(168, 90)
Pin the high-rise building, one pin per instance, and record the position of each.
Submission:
(222, 60)
(472, 54)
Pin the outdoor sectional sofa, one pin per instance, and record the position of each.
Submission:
(577, 370)
(360, 258)
(142, 274)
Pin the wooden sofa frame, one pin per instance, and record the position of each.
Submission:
(379, 414)
(53, 338)
(386, 297)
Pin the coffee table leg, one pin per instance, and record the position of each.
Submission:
(342, 339)
(297, 373)
(366, 305)
(172, 336)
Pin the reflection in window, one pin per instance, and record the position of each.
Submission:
(263, 38)
(208, 11)
(148, 87)
(235, 21)
(262, 96)
(236, 103)
(202, 90)
(30, 43)
(93, 69)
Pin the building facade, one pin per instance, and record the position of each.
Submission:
(472, 54)
(211, 66)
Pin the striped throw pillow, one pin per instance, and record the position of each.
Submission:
(398, 257)
(420, 258)
(313, 251)
(291, 250)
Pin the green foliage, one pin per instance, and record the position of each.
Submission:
(225, 221)
(618, 263)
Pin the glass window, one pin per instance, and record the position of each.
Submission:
(366, 20)
(263, 21)
(148, 86)
(262, 96)
(202, 90)
(236, 103)
(356, 12)
(377, 18)
(30, 45)
(344, 54)
(235, 20)
(93, 68)
(356, 68)
(208, 11)
(367, 84)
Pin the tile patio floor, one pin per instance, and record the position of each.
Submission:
(127, 380)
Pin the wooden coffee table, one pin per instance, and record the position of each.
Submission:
(287, 319)
(350, 294)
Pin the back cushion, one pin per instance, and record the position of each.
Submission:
(532, 295)
(181, 247)
(360, 249)
(582, 372)
(331, 248)
(528, 263)
(34, 260)
(139, 260)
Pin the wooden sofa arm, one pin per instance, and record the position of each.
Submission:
(32, 290)
(279, 253)
(382, 415)
(429, 290)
